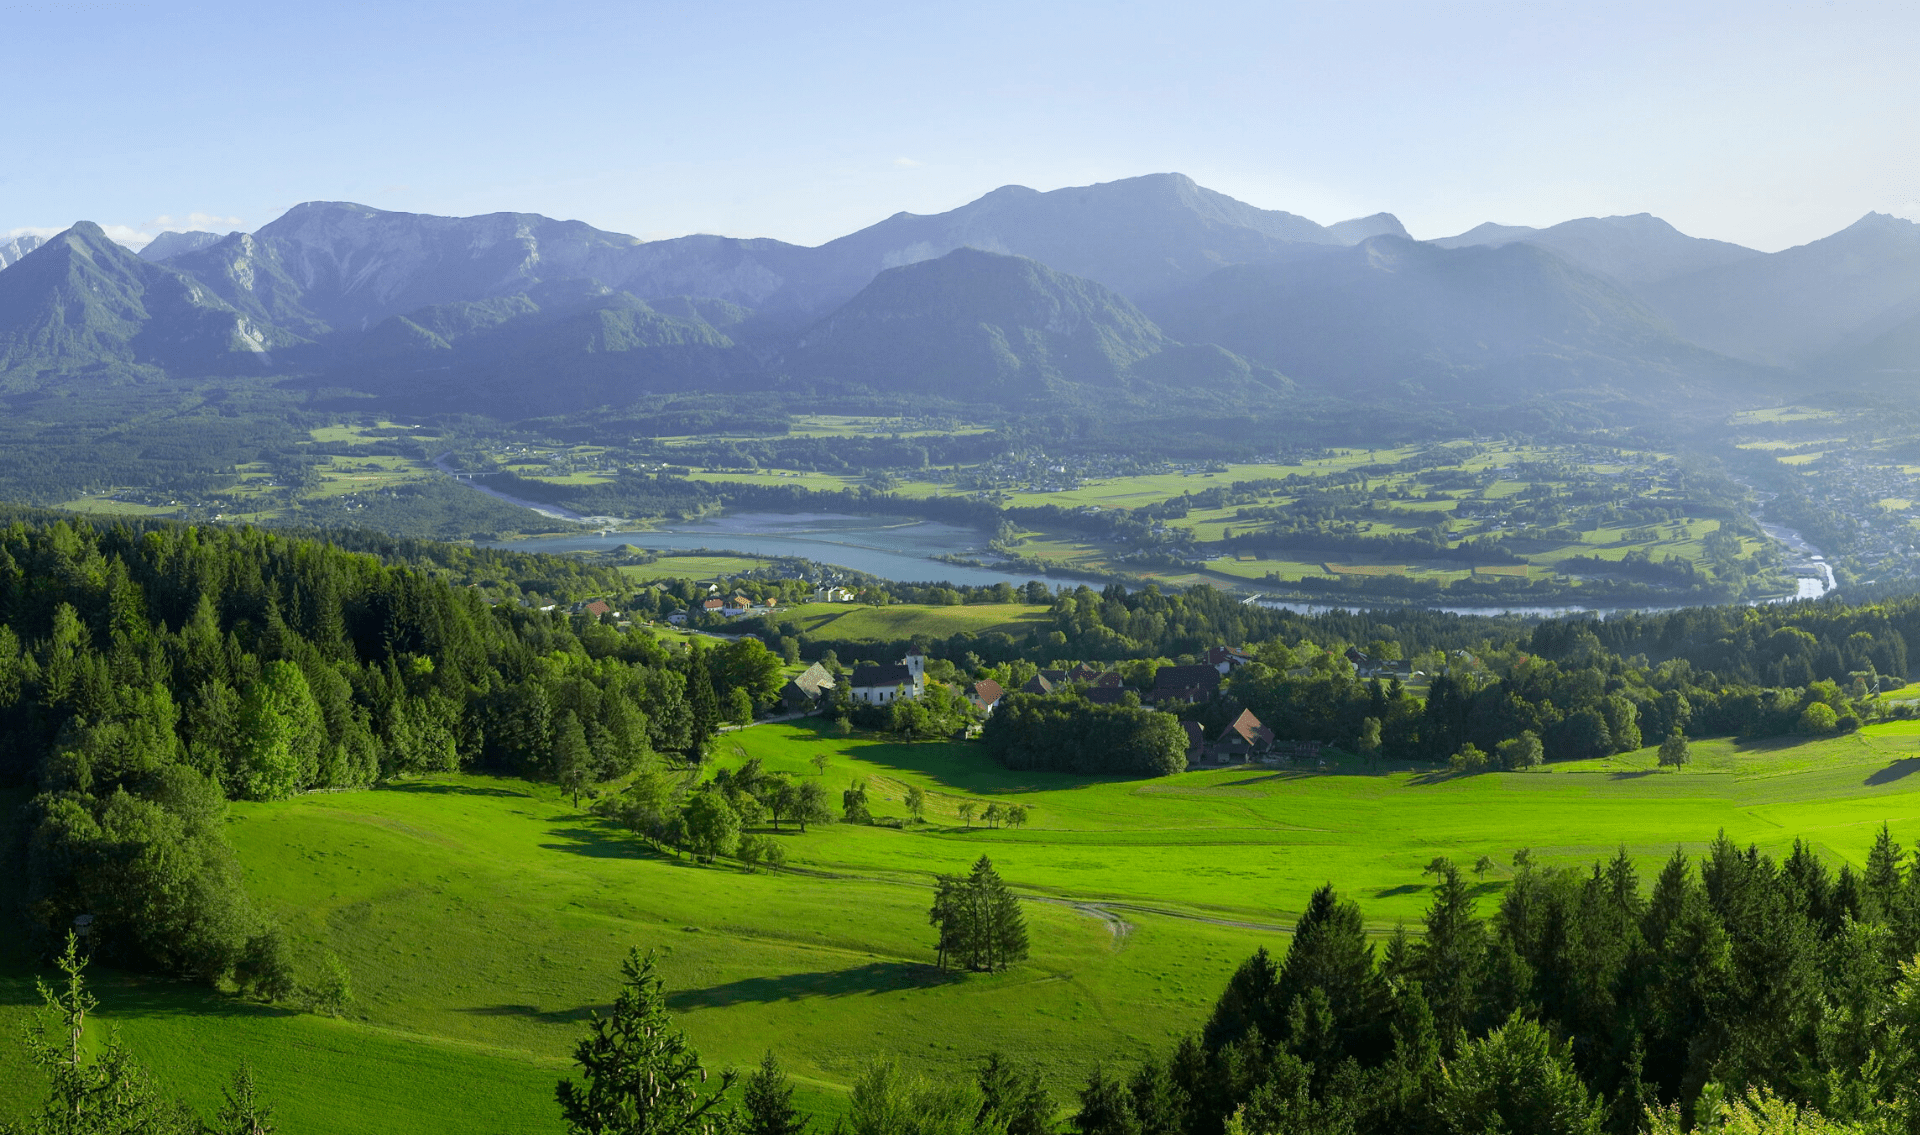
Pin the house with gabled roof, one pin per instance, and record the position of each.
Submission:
(1243, 739)
(804, 692)
(1227, 659)
(1187, 684)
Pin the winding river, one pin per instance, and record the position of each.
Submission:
(904, 550)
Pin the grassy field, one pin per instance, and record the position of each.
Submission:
(481, 919)
(695, 567)
(898, 623)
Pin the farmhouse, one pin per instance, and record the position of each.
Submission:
(1227, 659)
(803, 692)
(1187, 684)
(879, 685)
(985, 695)
(1243, 739)
(833, 595)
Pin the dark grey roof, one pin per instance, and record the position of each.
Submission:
(884, 677)
(1185, 677)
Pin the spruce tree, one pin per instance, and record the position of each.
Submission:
(572, 758)
(768, 1102)
(90, 1091)
(1330, 952)
(641, 1076)
(1105, 1108)
(1452, 956)
(243, 1112)
(1003, 929)
(1883, 875)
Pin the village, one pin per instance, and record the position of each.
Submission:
(1243, 740)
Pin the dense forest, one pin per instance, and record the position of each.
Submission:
(1586, 1003)
(146, 676)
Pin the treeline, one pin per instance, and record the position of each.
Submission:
(1739, 984)
(1066, 733)
(146, 676)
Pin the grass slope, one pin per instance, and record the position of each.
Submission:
(481, 919)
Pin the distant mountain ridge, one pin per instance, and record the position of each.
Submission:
(982, 325)
(1150, 282)
(1479, 323)
(1636, 250)
(81, 302)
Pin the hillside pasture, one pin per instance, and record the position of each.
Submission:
(481, 919)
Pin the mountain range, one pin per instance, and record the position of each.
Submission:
(1133, 290)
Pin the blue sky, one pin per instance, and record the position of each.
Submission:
(1767, 124)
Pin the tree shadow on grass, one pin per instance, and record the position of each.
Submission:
(535, 1013)
(1634, 774)
(1904, 767)
(868, 980)
(1402, 889)
(598, 840)
(131, 995)
(456, 790)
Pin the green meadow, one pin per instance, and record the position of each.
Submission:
(483, 918)
(901, 622)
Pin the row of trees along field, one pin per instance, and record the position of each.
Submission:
(147, 676)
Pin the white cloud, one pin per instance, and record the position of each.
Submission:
(30, 230)
(907, 163)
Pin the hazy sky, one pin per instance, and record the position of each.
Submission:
(1767, 124)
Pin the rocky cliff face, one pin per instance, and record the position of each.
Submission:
(14, 248)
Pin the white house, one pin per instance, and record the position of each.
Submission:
(879, 685)
(833, 595)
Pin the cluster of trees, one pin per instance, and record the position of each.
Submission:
(1066, 733)
(715, 818)
(149, 674)
(979, 921)
(1740, 987)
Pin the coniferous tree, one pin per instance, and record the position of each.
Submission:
(1003, 927)
(767, 1102)
(1451, 958)
(1105, 1108)
(572, 759)
(243, 1112)
(1013, 1097)
(978, 920)
(1329, 952)
(641, 1075)
(89, 1091)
